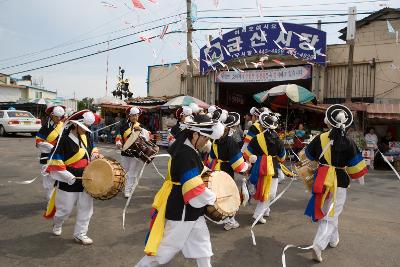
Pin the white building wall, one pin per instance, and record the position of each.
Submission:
(37, 93)
(24, 83)
(8, 94)
(71, 104)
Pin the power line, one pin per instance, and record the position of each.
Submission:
(305, 5)
(64, 43)
(198, 29)
(174, 22)
(107, 33)
(283, 16)
(306, 23)
(89, 55)
(182, 13)
(85, 47)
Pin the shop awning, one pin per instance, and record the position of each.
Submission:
(311, 107)
(323, 107)
(123, 107)
(384, 111)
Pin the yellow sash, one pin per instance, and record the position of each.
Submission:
(80, 154)
(258, 126)
(129, 130)
(160, 204)
(127, 133)
(270, 166)
(54, 134)
(218, 164)
(330, 182)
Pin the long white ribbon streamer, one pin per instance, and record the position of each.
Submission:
(224, 221)
(292, 246)
(154, 165)
(245, 192)
(135, 185)
(309, 247)
(130, 196)
(262, 214)
(24, 182)
(390, 165)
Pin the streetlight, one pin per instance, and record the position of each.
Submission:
(122, 86)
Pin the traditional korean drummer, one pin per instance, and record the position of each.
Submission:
(66, 164)
(131, 164)
(46, 138)
(178, 223)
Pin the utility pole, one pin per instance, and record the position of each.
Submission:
(351, 32)
(317, 70)
(189, 73)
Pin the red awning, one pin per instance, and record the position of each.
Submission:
(384, 111)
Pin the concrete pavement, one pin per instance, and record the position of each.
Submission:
(369, 225)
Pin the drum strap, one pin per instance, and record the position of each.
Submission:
(219, 161)
(54, 134)
(258, 126)
(127, 133)
(81, 152)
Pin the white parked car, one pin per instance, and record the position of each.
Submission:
(18, 121)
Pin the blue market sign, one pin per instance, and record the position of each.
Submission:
(287, 39)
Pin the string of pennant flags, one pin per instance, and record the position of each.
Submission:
(138, 4)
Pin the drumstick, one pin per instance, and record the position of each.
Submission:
(81, 178)
(224, 196)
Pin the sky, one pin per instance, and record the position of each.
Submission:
(31, 30)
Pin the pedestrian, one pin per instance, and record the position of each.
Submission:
(339, 160)
(178, 222)
(66, 164)
(265, 151)
(117, 120)
(299, 137)
(371, 140)
(45, 140)
(95, 126)
(131, 163)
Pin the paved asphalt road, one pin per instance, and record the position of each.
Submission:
(369, 225)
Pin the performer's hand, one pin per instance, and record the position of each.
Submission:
(98, 156)
(71, 181)
(137, 128)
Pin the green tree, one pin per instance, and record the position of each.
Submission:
(85, 103)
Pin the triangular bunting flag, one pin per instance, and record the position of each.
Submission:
(137, 4)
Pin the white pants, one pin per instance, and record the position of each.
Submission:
(264, 206)
(132, 167)
(231, 220)
(65, 202)
(328, 227)
(190, 237)
(48, 185)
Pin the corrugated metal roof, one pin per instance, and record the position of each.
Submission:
(384, 111)
(149, 100)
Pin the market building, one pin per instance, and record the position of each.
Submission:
(232, 69)
(236, 66)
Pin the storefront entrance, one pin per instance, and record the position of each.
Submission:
(235, 91)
